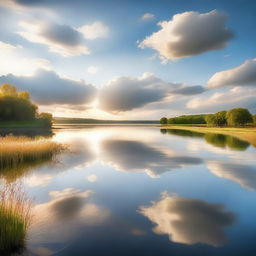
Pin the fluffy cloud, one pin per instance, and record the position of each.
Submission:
(188, 34)
(16, 64)
(46, 87)
(243, 75)
(244, 175)
(127, 93)
(189, 221)
(147, 16)
(94, 30)
(238, 96)
(60, 39)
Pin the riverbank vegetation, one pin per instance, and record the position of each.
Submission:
(17, 110)
(15, 218)
(18, 150)
(237, 117)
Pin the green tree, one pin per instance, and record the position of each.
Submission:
(211, 120)
(254, 119)
(46, 119)
(239, 117)
(163, 120)
(16, 106)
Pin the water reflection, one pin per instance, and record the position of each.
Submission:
(134, 156)
(61, 219)
(11, 174)
(245, 175)
(217, 140)
(189, 221)
(85, 207)
(29, 132)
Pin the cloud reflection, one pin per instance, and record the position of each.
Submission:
(189, 221)
(67, 213)
(134, 156)
(244, 175)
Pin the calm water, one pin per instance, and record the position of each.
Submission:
(143, 191)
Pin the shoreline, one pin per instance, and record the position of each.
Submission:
(243, 133)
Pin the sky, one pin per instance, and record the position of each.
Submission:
(121, 59)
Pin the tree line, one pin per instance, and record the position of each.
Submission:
(233, 117)
(17, 106)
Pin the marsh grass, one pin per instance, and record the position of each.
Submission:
(15, 217)
(18, 150)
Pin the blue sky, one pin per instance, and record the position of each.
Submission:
(102, 59)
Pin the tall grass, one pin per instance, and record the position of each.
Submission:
(15, 217)
(18, 150)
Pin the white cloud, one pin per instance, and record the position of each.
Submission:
(95, 30)
(64, 92)
(92, 70)
(188, 34)
(236, 97)
(127, 93)
(147, 16)
(243, 75)
(16, 64)
(60, 39)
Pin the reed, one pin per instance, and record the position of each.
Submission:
(15, 151)
(15, 218)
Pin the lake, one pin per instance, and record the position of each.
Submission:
(138, 190)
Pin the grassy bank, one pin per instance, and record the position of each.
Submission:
(15, 151)
(15, 217)
(247, 133)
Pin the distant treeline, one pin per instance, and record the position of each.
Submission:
(233, 117)
(16, 106)
(62, 120)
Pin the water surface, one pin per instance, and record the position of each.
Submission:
(142, 191)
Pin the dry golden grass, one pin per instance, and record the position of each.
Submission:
(17, 150)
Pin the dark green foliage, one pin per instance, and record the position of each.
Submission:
(217, 119)
(223, 141)
(17, 106)
(45, 119)
(163, 120)
(185, 133)
(163, 131)
(254, 119)
(187, 119)
(239, 117)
